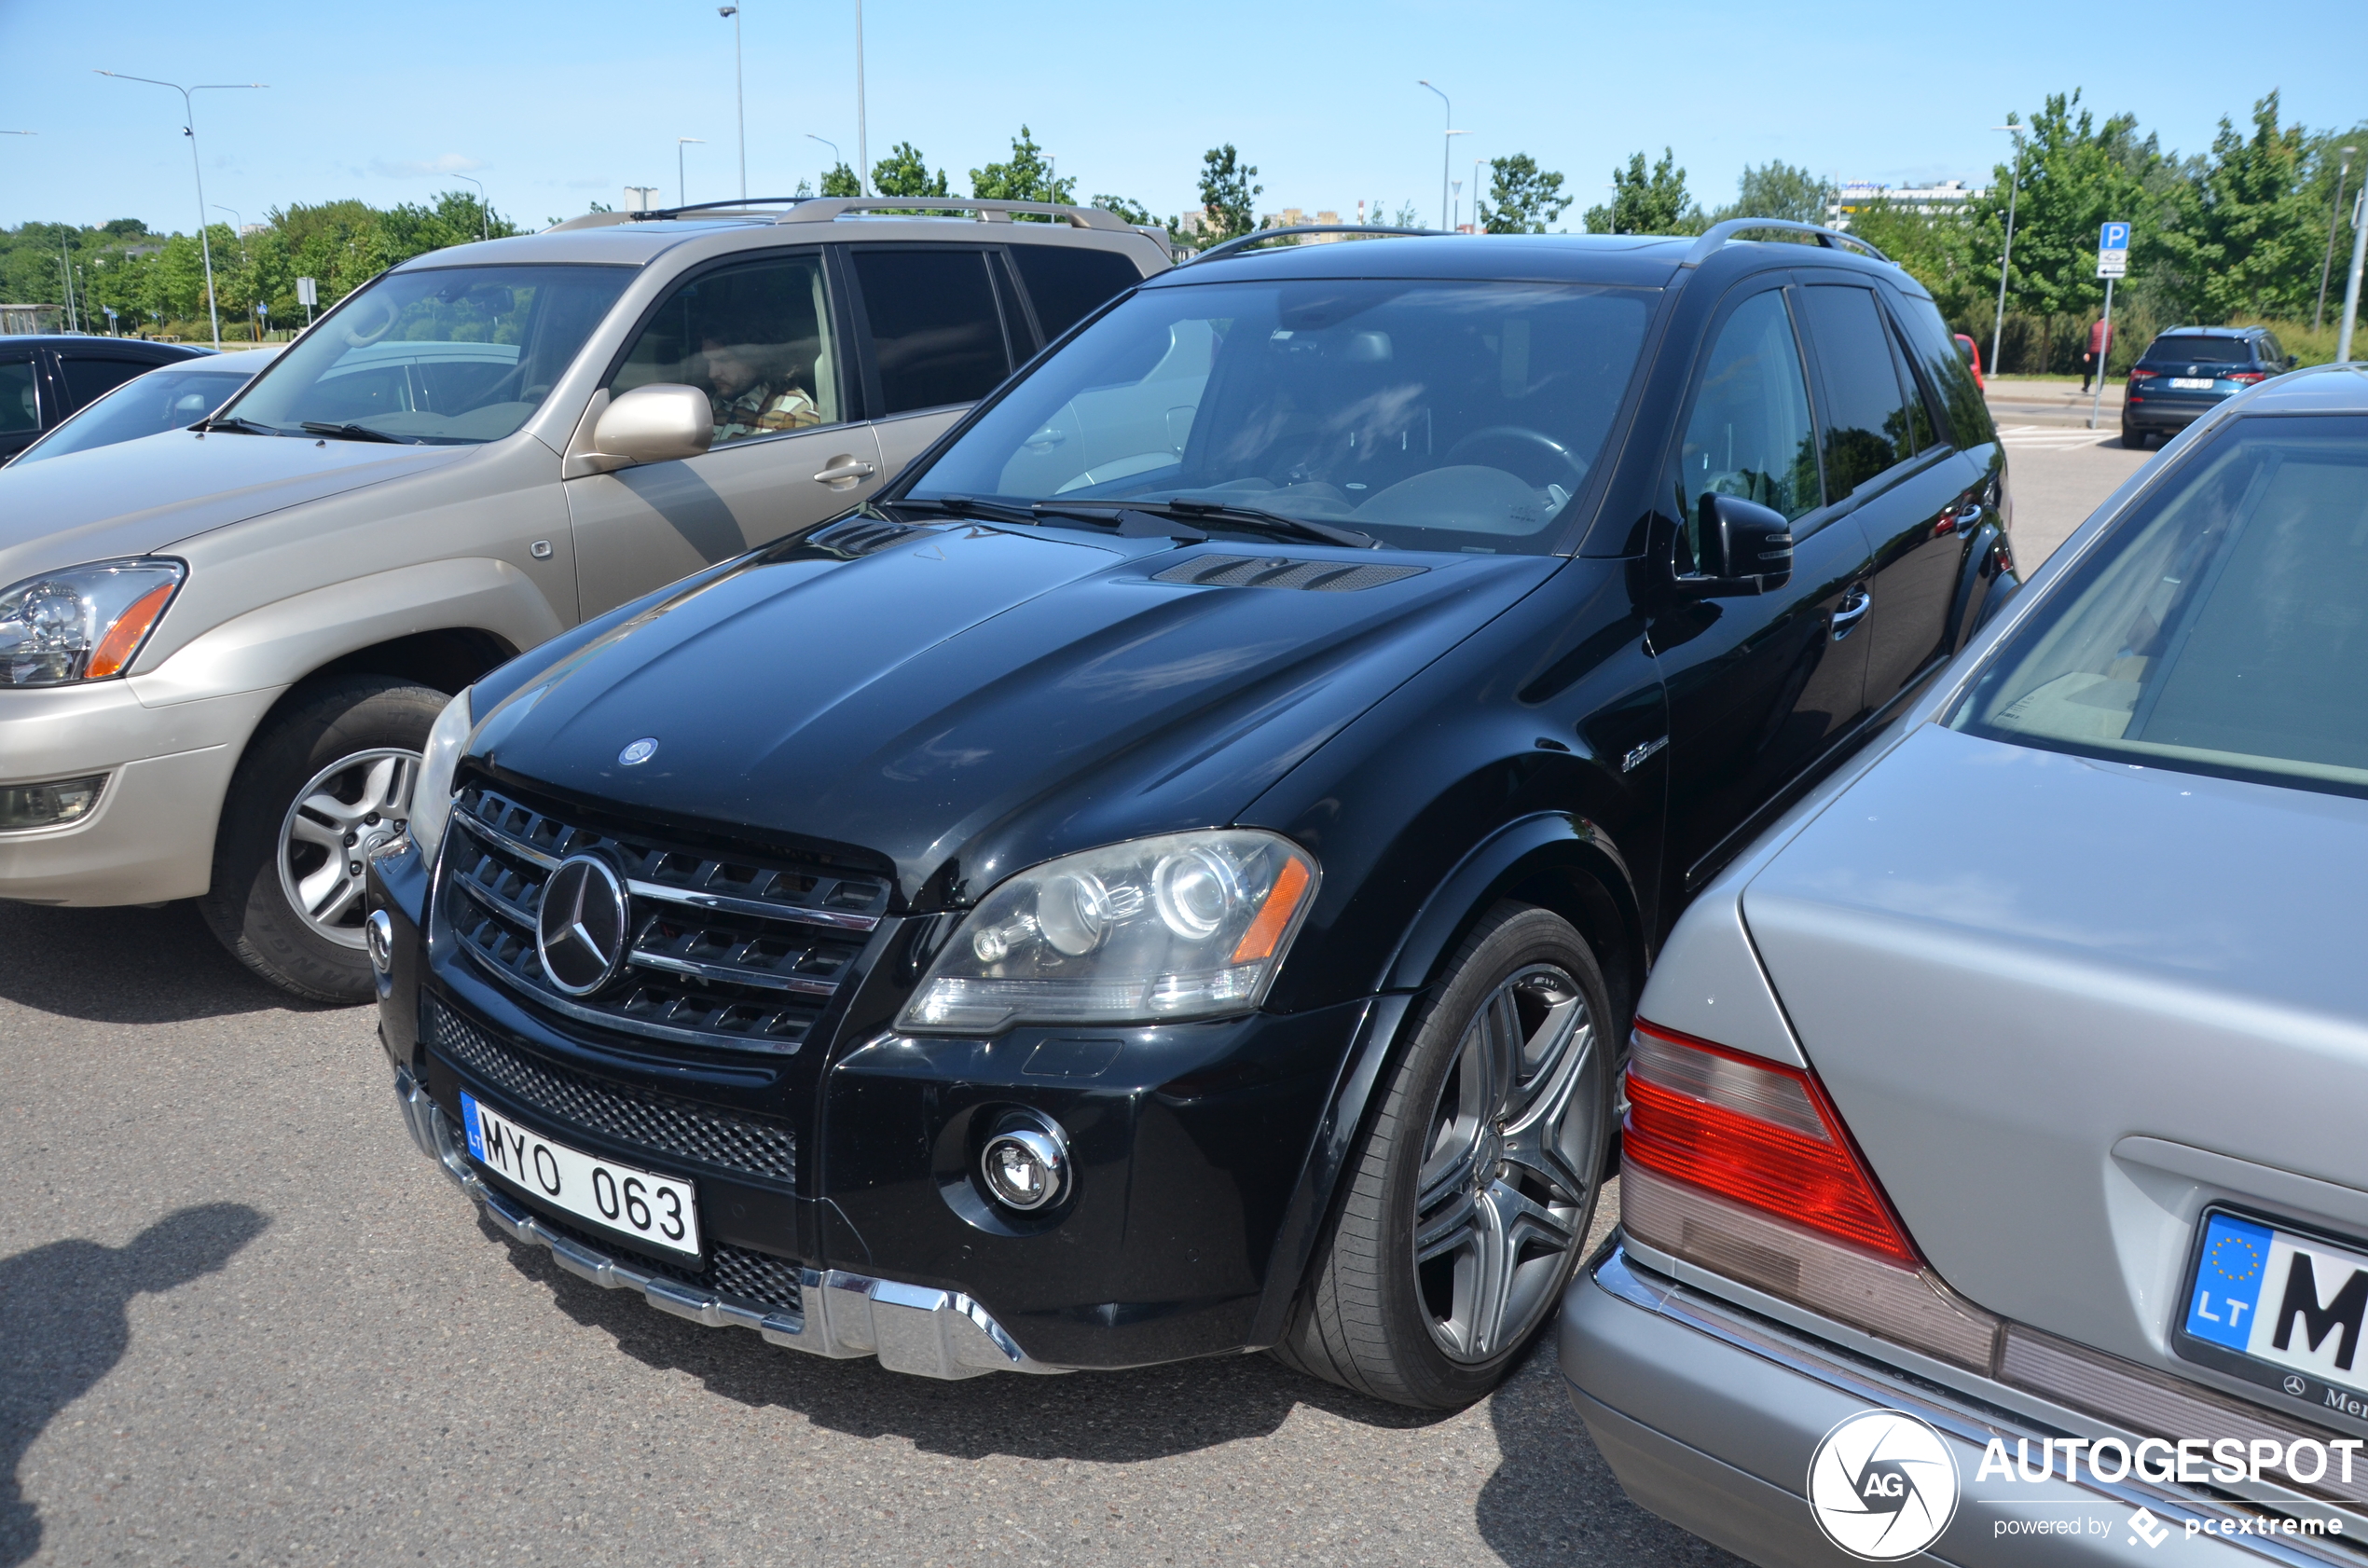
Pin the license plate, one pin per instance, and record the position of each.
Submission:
(2191, 383)
(655, 1210)
(2281, 1308)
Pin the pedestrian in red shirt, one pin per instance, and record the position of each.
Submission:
(2101, 343)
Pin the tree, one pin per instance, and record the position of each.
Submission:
(1026, 178)
(1522, 199)
(2245, 239)
(904, 172)
(1132, 212)
(1647, 204)
(1227, 194)
(2076, 174)
(1776, 189)
(841, 180)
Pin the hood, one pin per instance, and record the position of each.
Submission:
(2062, 1003)
(138, 496)
(968, 701)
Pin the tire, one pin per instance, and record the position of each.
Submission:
(2135, 440)
(350, 746)
(1376, 1317)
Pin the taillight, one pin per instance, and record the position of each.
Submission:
(2136, 375)
(1742, 1166)
(2247, 377)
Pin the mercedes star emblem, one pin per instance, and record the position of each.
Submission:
(638, 752)
(581, 931)
(2296, 1386)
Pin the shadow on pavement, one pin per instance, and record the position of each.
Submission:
(1152, 1413)
(126, 966)
(64, 1323)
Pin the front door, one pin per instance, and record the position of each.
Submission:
(758, 337)
(1760, 687)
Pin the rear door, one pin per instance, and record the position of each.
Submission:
(90, 375)
(1760, 688)
(1066, 283)
(936, 331)
(1888, 459)
(24, 398)
(760, 336)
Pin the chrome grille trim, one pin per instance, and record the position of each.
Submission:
(662, 1124)
(518, 846)
(626, 1023)
(734, 973)
(727, 905)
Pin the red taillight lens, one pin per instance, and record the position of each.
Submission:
(2144, 375)
(1756, 1133)
(2247, 377)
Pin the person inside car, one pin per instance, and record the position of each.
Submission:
(747, 400)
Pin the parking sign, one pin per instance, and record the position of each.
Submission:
(2113, 251)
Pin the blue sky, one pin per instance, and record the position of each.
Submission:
(554, 105)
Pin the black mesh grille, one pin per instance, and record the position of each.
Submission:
(1276, 571)
(630, 1116)
(754, 1278)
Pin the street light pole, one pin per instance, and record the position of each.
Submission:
(1445, 148)
(682, 191)
(835, 159)
(188, 110)
(484, 214)
(2351, 288)
(2335, 210)
(863, 143)
(739, 93)
(2014, 189)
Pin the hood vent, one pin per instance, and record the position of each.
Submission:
(864, 536)
(1276, 571)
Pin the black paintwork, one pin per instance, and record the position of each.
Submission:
(951, 703)
(48, 352)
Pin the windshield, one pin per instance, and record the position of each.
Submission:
(453, 354)
(2200, 350)
(1437, 416)
(161, 400)
(2222, 628)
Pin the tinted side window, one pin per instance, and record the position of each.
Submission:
(2272, 351)
(1921, 436)
(89, 377)
(1867, 427)
(1943, 359)
(755, 338)
(19, 401)
(1749, 434)
(936, 335)
(1066, 283)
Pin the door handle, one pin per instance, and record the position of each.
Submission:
(1964, 520)
(1853, 610)
(845, 469)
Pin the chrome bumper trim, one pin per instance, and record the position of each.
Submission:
(914, 1328)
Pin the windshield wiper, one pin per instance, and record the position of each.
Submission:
(234, 426)
(353, 433)
(964, 506)
(1189, 512)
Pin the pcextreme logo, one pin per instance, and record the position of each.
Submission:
(1882, 1486)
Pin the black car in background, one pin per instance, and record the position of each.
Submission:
(2188, 370)
(46, 377)
(1172, 875)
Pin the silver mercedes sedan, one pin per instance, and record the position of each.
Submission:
(1994, 1175)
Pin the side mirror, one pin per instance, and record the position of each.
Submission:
(1747, 548)
(655, 423)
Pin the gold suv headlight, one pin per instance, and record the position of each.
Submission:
(85, 623)
(1182, 925)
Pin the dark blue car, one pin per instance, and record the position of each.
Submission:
(2188, 370)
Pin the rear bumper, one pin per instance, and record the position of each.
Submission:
(2151, 414)
(1709, 1414)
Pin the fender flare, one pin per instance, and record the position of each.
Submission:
(1975, 582)
(1517, 853)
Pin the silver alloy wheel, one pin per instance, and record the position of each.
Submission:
(1509, 1162)
(350, 808)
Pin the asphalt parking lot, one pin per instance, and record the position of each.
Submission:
(242, 1321)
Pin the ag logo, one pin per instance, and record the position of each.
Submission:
(1882, 1486)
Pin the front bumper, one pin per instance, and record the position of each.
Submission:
(909, 1328)
(1708, 1413)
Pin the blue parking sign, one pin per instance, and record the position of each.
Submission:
(2114, 237)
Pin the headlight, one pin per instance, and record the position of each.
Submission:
(83, 622)
(432, 795)
(1185, 925)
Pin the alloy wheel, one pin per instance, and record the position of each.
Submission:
(1510, 1163)
(350, 808)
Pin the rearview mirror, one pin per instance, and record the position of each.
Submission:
(1746, 548)
(656, 423)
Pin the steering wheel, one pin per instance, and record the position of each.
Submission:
(1521, 437)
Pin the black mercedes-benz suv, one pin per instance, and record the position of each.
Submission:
(1171, 874)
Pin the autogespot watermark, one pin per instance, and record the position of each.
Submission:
(1883, 1485)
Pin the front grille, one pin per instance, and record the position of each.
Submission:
(1276, 571)
(756, 1278)
(722, 950)
(656, 1122)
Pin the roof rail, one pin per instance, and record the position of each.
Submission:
(1715, 238)
(1242, 241)
(824, 209)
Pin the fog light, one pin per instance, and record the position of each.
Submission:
(47, 805)
(1026, 1165)
(378, 935)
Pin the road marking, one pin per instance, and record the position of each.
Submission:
(2054, 437)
